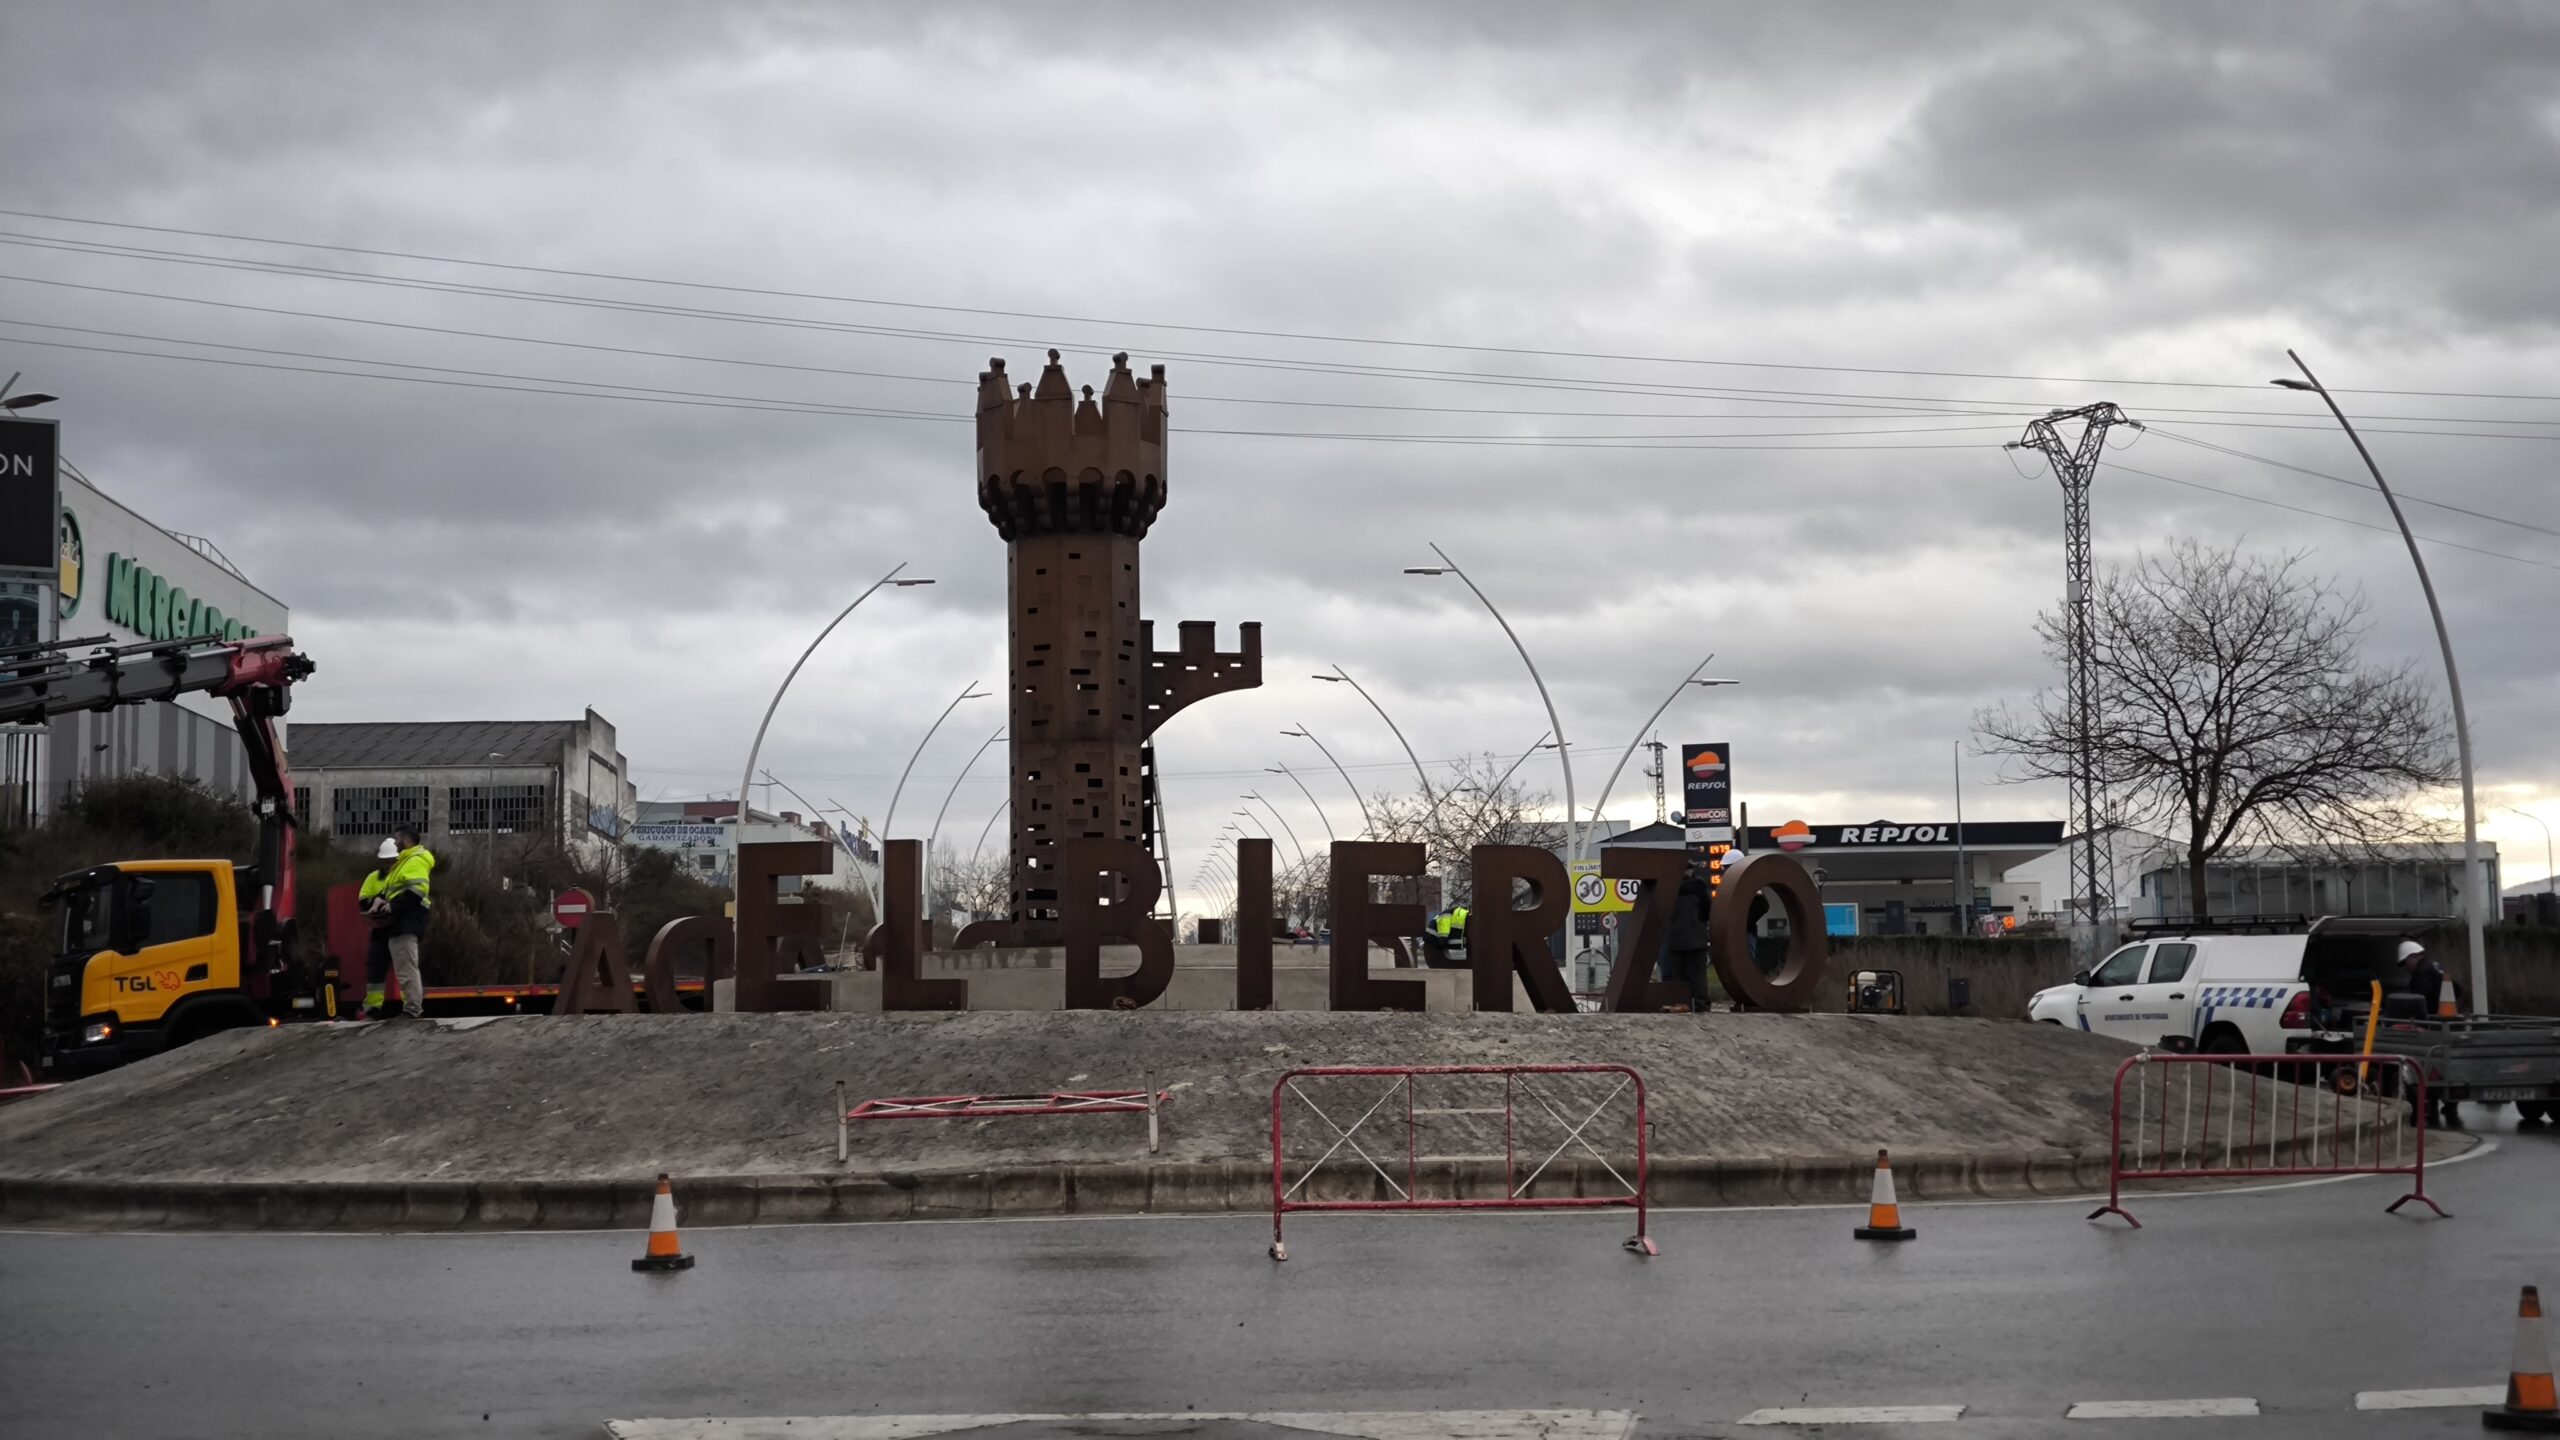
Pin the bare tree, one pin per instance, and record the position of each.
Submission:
(981, 886)
(2233, 707)
(1478, 804)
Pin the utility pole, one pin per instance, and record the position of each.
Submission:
(2075, 464)
(1661, 810)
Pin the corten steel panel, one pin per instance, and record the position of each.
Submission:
(762, 918)
(1359, 921)
(1502, 941)
(598, 977)
(1073, 487)
(1808, 945)
(720, 959)
(1631, 982)
(1087, 871)
(902, 900)
(1253, 922)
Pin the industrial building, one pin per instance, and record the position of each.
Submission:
(704, 836)
(466, 781)
(124, 581)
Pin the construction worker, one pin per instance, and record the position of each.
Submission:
(407, 890)
(1448, 929)
(1685, 954)
(2424, 978)
(377, 913)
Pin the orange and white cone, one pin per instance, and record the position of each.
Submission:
(665, 1252)
(2531, 1405)
(1884, 1216)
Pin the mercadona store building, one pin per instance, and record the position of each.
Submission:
(125, 581)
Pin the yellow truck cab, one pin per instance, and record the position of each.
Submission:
(154, 954)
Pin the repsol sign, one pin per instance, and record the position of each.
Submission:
(141, 600)
(1895, 835)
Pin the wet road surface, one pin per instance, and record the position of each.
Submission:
(2292, 1300)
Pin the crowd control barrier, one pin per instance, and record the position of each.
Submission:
(1534, 1093)
(2246, 1117)
(24, 1092)
(985, 1107)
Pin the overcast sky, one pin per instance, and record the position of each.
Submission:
(2066, 204)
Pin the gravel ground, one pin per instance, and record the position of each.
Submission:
(596, 1097)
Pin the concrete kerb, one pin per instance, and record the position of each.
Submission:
(1216, 1186)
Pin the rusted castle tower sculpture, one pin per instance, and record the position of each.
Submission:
(1073, 487)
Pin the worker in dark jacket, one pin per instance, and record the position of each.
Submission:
(1684, 956)
(2424, 978)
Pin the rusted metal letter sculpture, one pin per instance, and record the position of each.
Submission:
(1088, 871)
(1073, 488)
(763, 919)
(720, 959)
(1253, 923)
(1360, 921)
(1502, 941)
(1631, 983)
(1808, 945)
(902, 982)
(598, 977)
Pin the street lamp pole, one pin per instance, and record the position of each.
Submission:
(1555, 726)
(1343, 676)
(2471, 873)
(2550, 877)
(936, 832)
(1368, 824)
(1647, 728)
(1311, 798)
(969, 691)
(1285, 827)
(753, 750)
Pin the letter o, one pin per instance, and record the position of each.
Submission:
(1793, 988)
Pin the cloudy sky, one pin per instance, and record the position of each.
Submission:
(1685, 328)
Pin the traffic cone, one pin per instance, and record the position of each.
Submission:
(2530, 1402)
(1884, 1217)
(664, 1252)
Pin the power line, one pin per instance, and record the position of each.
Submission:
(2326, 515)
(2351, 484)
(643, 395)
(1277, 364)
(1201, 329)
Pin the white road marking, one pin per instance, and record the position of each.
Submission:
(2431, 1399)
(2160, 1409)
(1357, 1425)
(1856, 1415)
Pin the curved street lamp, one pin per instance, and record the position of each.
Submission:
(754, 749)
(1284, 823)
(2471, 875)
(1555, 726)
(934, 834)
(1341, 676)
(1368, 824)
(992, 816)
(2550, 876)
(1311, 799)
(1646, 728)
(969, 691)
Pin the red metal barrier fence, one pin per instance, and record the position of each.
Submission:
(2230, 1117)
(24, 1092)
(988, 1107)
(1400, 1097)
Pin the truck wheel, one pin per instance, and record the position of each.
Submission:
(2223, 1040)
(2532, 1112)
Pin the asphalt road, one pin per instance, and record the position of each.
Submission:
(2294, 1298)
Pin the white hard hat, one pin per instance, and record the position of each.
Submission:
(2409, 948)
(390, 849)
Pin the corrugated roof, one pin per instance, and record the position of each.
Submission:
(425, 744)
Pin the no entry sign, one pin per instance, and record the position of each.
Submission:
(572, 907)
